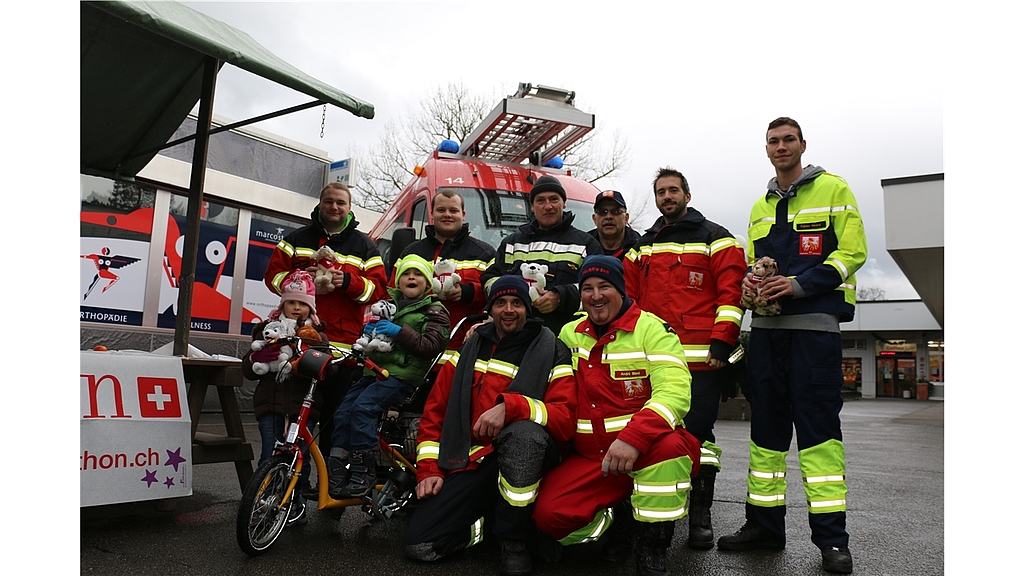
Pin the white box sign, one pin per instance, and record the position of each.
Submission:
(136, 433)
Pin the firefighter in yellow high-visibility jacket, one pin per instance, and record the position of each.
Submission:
(809, 223)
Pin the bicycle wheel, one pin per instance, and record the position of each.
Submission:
(260, 521)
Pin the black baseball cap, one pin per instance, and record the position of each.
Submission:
(611, 195)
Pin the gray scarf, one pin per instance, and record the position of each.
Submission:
(531, 380)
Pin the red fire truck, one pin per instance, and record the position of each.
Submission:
(494, 169)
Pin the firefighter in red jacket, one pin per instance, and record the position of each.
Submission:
(633, 391)
(688, 270)
(491, 425)
(359, 281)
(448, 238)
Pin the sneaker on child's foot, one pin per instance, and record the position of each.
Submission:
(297, 513)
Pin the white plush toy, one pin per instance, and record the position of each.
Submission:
(445, 278)
(272, 353)
(326, 265)
(371, 341)
(534, 276)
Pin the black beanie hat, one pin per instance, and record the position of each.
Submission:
(510, 285)
(547, 184)
(606, 267)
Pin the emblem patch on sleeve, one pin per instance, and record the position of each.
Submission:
(810, 244)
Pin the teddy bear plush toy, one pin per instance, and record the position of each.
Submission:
(308, 335)
(445, 278)
(763, 268)
(326, 265)
(373, 339)
(534, 276)
(272, 353)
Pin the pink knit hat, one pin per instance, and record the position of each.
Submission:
(298, 286)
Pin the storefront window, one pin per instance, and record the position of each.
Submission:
(215, 265)
(852, 374)
(264, 234)
(116, 228)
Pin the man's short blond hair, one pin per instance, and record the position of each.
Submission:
(337, 186)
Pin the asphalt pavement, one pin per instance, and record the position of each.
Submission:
(895, 468)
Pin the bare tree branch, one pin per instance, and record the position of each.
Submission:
(451, 112)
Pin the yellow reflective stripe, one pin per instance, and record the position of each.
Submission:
(560, 371)
(285, 247)
(758, 221)
(305, 252)
(667, 358)
(466, 264)
(367, 291)
(662, 411)
(766, 475)
(614, 356)
(448, 356)
(696, 351)
(844, 272)
(496, 366)
(675, 248)
(427, 450)
(616, 423)
(670, 514)
(473, 451)
(827, 503)
(517, 497)
(373, 262)
(476, 532)
(344, 347)
(538, 411)
(655, 488)
(278, 278)
(708, 456)
(730, 314)
(830, 478)
(584, 427)
(848, 286)
(769, 498)
(723, 243)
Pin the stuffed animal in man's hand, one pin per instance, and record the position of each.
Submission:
(534, 276)
(326, 266)
(272, 353)
(372, 339)
(445, 278)
(764, 267)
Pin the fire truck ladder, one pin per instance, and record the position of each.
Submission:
(523, 123)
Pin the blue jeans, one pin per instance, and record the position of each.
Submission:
(357, 419)
(271, 427)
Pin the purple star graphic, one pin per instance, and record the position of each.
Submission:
(174, 458)
(150, 478)
(169, 482)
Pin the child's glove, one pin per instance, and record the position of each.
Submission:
(387, 328)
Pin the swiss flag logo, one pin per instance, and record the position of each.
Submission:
(158, 397)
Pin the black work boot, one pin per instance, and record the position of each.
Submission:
(362, 466)
(837, 559)
(652, 546)
(701, 536)
(752, 536)
(515, 560)
(617, 542)
(337, 473)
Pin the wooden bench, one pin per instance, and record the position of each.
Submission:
(209, 448)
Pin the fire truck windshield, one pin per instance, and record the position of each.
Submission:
(494, 214)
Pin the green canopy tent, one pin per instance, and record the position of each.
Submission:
(144, 66)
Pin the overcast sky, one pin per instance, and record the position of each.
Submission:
(691, 88)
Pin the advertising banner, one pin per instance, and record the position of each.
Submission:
(136, 433)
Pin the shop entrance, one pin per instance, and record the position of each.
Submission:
(896, 373)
